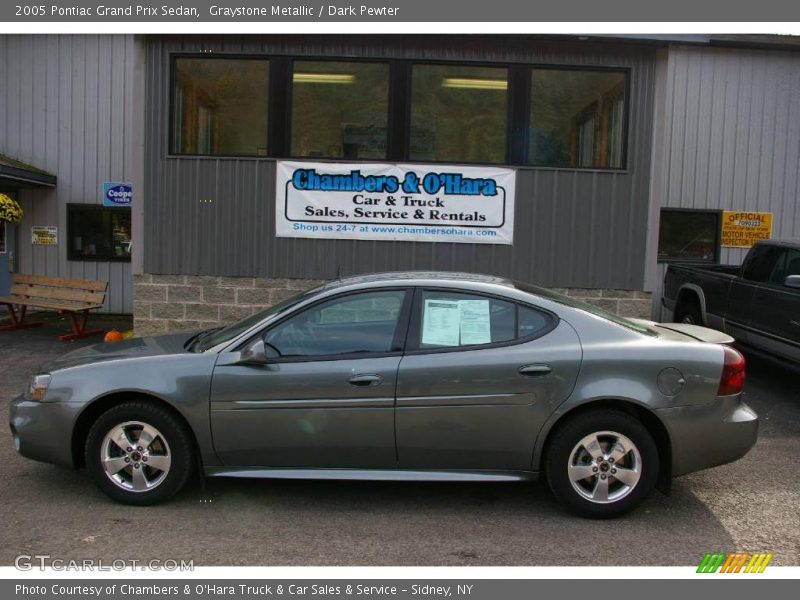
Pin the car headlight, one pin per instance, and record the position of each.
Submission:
(37, 387)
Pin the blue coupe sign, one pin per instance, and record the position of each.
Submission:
(117, 194)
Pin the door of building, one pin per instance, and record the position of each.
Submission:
(7, 256)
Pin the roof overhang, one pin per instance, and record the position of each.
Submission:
(15, 174)
(755, 41)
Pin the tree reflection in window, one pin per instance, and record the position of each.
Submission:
(577, 118)
(340, 109)
(460, 112)
(220, 106)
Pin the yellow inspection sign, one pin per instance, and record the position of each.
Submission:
(743, 229)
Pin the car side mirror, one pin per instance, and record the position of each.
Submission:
(271, 352)
(792, 281)
(255, 353)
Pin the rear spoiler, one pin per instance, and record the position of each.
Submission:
(701, 334)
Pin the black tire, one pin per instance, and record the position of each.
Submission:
(174, 440)
(688, 312)
(562, 447)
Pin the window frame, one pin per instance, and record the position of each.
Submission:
(85, 207)
(279, 107)
(414, 335)
(717, 236)
(173, 81)
(398, 341)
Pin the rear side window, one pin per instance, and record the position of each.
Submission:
(531, 321)
(788, 263)
(454, 319)
(761, 264)
(585, 306)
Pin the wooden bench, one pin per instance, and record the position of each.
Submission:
(71, 297)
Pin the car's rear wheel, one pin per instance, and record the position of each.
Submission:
(139, 453)
(602, 464)
(688, 312)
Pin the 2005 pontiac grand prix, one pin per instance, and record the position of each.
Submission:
(400, 376)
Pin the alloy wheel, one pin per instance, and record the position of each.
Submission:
(135, 456)
(604, 467)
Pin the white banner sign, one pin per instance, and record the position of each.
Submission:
(415, 203)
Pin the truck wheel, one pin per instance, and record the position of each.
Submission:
(602, 464)
(139, 453)
(689, 313)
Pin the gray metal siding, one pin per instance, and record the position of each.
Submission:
(63, 101)
(731, 137)
(573, 228)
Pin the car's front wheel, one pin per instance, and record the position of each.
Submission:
(139, 453)
(602, 463)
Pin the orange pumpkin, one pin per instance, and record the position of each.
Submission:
(113, 336)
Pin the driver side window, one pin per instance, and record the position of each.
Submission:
(357, 323)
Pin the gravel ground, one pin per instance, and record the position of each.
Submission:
(750, 505)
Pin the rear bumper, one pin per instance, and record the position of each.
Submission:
(42, 430)
(709, 435)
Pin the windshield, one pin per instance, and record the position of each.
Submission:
(231, 331)
(590, 308)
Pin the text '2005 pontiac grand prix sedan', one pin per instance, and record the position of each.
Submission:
(400, 376)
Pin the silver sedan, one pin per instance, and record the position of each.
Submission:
(400, 376)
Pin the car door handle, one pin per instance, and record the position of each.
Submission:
(365, 380)
(534, 370)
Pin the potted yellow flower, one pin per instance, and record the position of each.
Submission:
(10, 210)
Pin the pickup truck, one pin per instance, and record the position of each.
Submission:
(757, 303)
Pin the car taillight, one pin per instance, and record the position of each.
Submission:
(732, 380)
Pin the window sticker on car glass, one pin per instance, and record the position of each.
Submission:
(475, 322)
(440, 322)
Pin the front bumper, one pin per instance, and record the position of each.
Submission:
(708, 435)
(42, 430)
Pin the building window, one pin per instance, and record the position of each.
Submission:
(220, 106)
(458, 114)
(281, 106)
(340, 109)
(577, 118)
(689, 235)
(95, 232)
